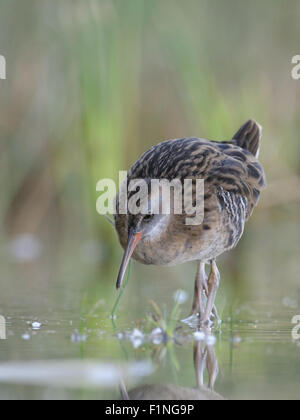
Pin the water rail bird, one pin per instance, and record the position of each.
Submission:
(233, 181)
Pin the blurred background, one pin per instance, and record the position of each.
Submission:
(90, 86)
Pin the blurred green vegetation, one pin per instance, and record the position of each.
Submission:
(93, 84)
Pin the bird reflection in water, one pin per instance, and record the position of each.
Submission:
(204, 359)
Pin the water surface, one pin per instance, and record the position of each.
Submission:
(61, 343)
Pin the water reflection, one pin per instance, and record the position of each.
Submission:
(255, 353)
(204, 357)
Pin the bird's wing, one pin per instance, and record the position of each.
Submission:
(221, 165)
(237, 172)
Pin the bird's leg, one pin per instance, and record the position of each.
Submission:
(198, 293)
(212, 366)
(200, 356)
(214, 309)
(213, 286)
(196, 298)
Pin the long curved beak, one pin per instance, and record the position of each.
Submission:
(133, 239)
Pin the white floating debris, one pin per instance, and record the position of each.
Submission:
(199, 335)
(136, 338)
(211, 340)
(26, 337)
(120, 336)
(156, 336)
(36, 325)
(156, 331)
(25, 248)
(180, 296)
(113, 317)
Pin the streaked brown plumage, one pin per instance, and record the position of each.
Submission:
(233, 179)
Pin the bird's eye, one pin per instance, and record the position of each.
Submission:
(148, 217)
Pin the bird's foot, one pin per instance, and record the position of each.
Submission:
(214, 318)
(195, 319)
(192, 321)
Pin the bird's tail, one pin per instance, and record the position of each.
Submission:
(248, 137)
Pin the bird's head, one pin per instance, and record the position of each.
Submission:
(141, 227)
(145, 226)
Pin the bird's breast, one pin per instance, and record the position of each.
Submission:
(180, 249)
